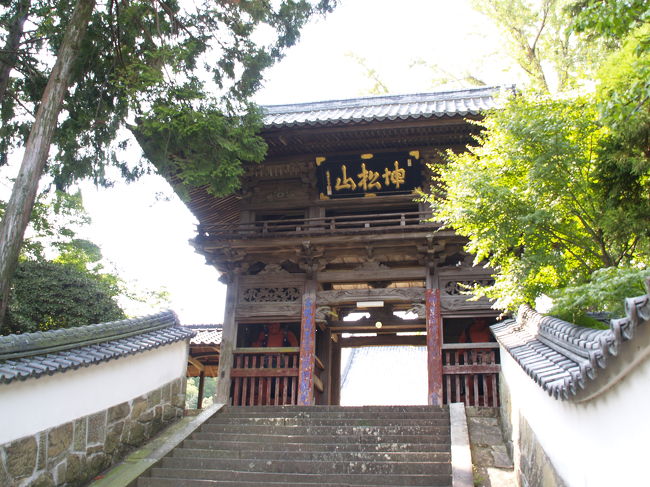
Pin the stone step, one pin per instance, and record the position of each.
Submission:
(333, 455)
(327, 421)
(237, 410)
(290, 466)
(360, 438)
(161, 482)
(336, 414)
(265, 478)
(321, 446)
(348, 430)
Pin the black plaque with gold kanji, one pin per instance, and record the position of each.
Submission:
(362, 175)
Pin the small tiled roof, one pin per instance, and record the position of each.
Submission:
(561, 356)
(378, 108)
(36, 354)
(206, 334)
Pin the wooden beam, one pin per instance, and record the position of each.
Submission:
(307, 345)
(384, 340)
(434, 346)
(199, 399)
(318, 384)
(199, 366)
(335, 374)
(399, 274)
(271, 372)
(228, 342)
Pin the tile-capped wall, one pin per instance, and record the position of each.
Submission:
(73, 453)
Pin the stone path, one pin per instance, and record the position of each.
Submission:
(492, 464)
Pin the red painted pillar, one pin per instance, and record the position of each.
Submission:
(307, 346)
(434, 346)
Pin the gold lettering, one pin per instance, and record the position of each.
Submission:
(368, 179)
(397, 177)
(345, 182)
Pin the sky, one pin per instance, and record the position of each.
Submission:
(143, 228)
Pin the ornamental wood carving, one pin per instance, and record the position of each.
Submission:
(275, 310)
(270, 295)
(407, 295)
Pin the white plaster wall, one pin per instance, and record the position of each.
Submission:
(602, 442)
(33, 405)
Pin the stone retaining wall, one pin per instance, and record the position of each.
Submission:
(74, 453)
(533, 468)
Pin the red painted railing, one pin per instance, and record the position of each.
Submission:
(470, 373)
(265, 376)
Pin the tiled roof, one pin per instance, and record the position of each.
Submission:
(378, 108)
(36, 354)
(561, 356)
(206, 334)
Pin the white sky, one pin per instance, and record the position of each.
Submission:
(147, 239)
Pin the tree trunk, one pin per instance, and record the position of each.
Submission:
(10, 54)
(16, 217)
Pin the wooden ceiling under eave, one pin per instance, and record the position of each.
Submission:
(317, 139)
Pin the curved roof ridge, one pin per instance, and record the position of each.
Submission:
(46, 353)
(43, 342)
(384, 107)
(559, 356)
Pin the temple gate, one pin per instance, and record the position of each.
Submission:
(330, 226)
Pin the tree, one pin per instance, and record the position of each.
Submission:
(536, 37)
(50, 295)
(142, 66)
(555, 195)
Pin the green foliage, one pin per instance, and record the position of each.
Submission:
(49, 295)
(192, 392)
(536, 37)
(183, 70)
(182, 143)
(606, 291)
(531, 202)
(612, 19)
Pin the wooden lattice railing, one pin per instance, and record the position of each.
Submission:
(312, 226)
(265, 376)
(470, 373)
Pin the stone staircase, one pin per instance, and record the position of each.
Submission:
(327, 446)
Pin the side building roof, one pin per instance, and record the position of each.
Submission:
(562, 358)
(46, 353)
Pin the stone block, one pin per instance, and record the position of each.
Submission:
(178, 400)
(176, 387)
(41, 461)
(4, 475)
(21, 457)
(118, 412)
(43, 480)
(79, 439)
(138, 408)
(136, 434)
(59, 441)
(147, 416)
(75, 471)
(167, 393)
(154, 398)
(169, 413)
(96, 428)
(113, 438)
(97, 463)
(59, 472)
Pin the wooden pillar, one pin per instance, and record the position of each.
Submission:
(307, 345)
(199, 399)
(335, 371)
(434, 346)
(325, 354)
(228, 342)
